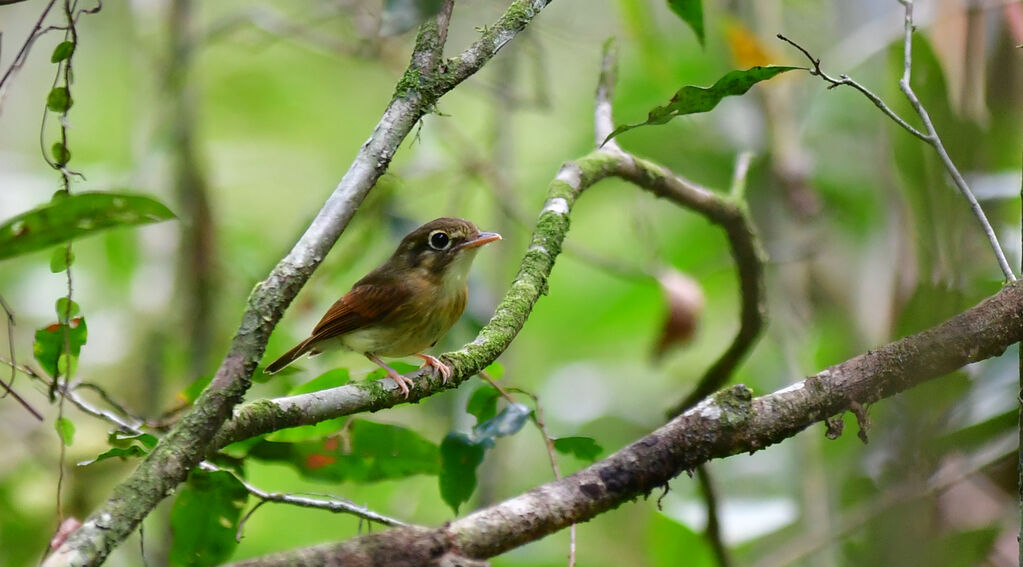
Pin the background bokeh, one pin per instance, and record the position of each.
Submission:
(867, 241)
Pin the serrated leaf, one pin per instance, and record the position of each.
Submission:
(460, 457)
(584, 448)
(400, 16)
(204, 519)
(508, 422)
(330, 379)
(59, 99)
(66, 309)
(483, 403)
(63, 50)
(692, 99)
(66, 429)
(365, 452)
(131, 451)
(691, 12)
(49, 344)
(81, 214)
(61, 259)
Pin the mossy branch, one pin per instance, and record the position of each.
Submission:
(187, 443)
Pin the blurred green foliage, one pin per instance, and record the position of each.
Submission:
(867, 241)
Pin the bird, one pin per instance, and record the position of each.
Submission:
(405, 305)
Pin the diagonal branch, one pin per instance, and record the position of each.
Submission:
(427, 79)
(730, 423)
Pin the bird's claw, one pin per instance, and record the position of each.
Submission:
(437, 366)
(403, 381)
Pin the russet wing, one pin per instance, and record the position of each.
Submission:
(363, 306)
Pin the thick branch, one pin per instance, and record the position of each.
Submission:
(263, 416)
(185, 446)
(729, 423)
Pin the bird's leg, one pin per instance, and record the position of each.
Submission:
(403, 382)
(436, 364)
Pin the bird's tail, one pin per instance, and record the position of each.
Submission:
(287, 358)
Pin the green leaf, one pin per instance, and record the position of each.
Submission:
(132, 451)
(584, 448)
(483, 403)
(495, 370)
(192, 391)
(66, 309)
(122, 439)
(49, 344)
(365, 452)
(400, 16)
(508, 422)
(66, 430)
(63, 50)
(460, 457)
(59, 99)
(205, 517)
(61, 259)
(329, 379)
(691, 99)
(60, 154)
(667, 540)
(397, 365)
(308, 432)
(691, 12)
(79, 215)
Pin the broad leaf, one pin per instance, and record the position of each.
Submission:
(125, 446)
(692, 99)
(584, 448)
(364, 452)
(508, 422)
(50, 344)
(79, 215)
(691, 12)
(460, 457)
(131, 451)
(483, 403)
(205, 517)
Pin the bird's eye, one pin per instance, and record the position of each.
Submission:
(439, 240)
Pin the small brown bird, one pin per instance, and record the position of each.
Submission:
(406, 304)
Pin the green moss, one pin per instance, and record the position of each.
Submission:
(735, 404)
(408, 83)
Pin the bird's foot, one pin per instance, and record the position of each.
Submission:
(435, 363)
(403, 382)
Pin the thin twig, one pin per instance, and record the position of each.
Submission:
(334, 504)
(713, 531)
(930, 135)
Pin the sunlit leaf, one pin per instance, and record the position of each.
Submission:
(79, 215)
(65, 429)
(692, 99)
(50, 343)
(460, 457)
(584, 448)
(61, 259)
(205, 517)
(364, 452)
(400, 16)
(691, 12)
(495, 370)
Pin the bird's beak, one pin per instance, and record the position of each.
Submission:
(483, 238)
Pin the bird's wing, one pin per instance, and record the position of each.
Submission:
(364, 305)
